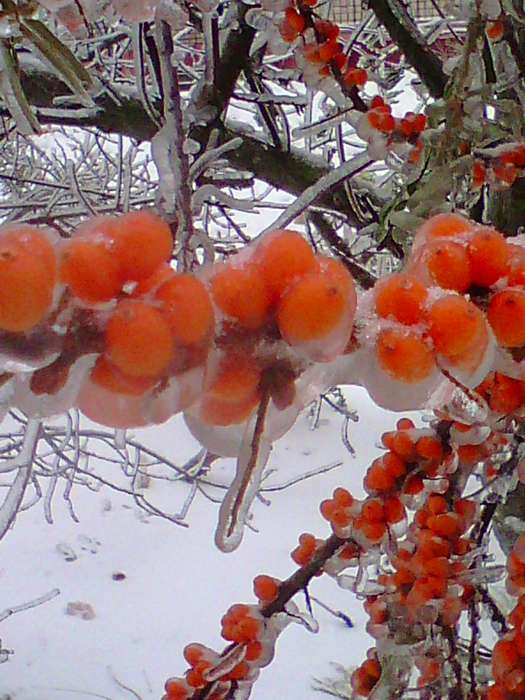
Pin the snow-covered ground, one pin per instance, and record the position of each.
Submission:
(177, 585)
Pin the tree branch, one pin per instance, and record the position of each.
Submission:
(123, 113)
(394, 17)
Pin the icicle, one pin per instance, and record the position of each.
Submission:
(307, 620)
(120, 439)
(254, 453)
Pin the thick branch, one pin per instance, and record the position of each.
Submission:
(124, 114)
(393, 16)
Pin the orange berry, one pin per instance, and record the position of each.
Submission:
(405, 424)
(284, 256)
(394, 510)
(186, 305)
(237, 380)
(495, 29)
(373, 531)
(329, 50)
(378, 479)
(506, 173)
(143, 241)
(506, 315)
(343, 497)
(381, 120)
(394, 465)
(287, 32)
(479, 174)
(449, 265)
(194, 652)
(91, 270)
(236, 674)
(404, 355)
(403, 445)
(311, 308)
(455, 325)
(222, 413)
(109, 377)
(446, 225)
(266, 588)
(241, 293)
(471, 454)
(326, 30)
(373, 510)
(516, 275)
(139, 340)
(400, 296)
(489, 256)
(27, 279)
(355, 76)
(162, 274)
(503, 394)
(32, 239)
(295, 20)
(177, 689)
(447, 525)
(338, 274)
(413, 485)
(430, 447)
(253, 651)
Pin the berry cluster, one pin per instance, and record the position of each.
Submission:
(110, 327)
(432, 322)
(130, 341)
(383, 132)
(252, 635)
(508, 655)
(318, 49)
(365, 677)
(500, 166)
(426, 574)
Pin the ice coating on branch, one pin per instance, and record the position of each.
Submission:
(25, 353)
(254, 453)
(41, 404)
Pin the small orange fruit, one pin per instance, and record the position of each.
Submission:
(241, 293)
(283, 256)
(27, 279)
(506, 315)
(139, 340)
(404, 355)
(143, 241)
(312, 308)
(402, 297)
(187, 307)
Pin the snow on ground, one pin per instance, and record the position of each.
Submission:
(177, 584)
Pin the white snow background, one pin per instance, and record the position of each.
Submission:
(177, 585)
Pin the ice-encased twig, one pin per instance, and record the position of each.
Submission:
(30, 604)
(16, 491)
(308, 197)
(253, 456)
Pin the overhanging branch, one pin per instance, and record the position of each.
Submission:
(393, 16)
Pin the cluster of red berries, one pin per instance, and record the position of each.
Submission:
(424, 579)
(502, 167)
(252, 635)
(508, 655)
(320, 46)
(383, 132)
(366, 676)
